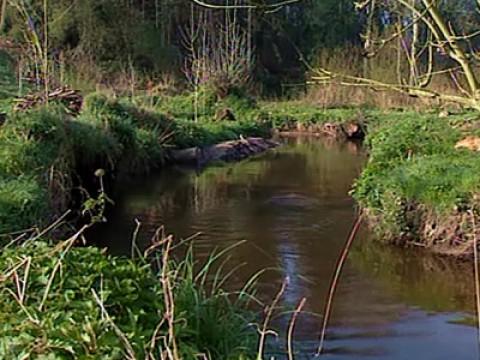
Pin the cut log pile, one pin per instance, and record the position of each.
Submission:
(71, 99)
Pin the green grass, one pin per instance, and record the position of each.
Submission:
(413, 165)
(8, 86)
(283, 113)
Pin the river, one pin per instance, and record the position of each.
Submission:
(292, 210)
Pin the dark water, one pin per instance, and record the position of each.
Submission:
(291, 206)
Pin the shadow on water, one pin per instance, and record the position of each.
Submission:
(292, 208)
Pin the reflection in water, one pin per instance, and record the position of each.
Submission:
(292, 207)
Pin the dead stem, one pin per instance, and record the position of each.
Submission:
(269, 312)
(476, 271)
(335, 280)
(120, 334)
(291, 327)
(169, 299)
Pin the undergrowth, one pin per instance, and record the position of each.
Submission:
(8, 86)
(71, 302)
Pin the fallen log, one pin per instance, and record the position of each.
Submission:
(226, 151)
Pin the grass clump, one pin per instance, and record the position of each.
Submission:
(21, 200)
(34, 151)
(416, 183)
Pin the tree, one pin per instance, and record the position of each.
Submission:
(431, 39)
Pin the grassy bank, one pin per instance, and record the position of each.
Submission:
(417, 188)
(43, 152)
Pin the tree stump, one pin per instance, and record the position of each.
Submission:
(224, 114)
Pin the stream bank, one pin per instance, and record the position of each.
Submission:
(416, 189)
(420, 186)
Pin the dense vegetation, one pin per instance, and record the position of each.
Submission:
(157, 80)
(80, 303)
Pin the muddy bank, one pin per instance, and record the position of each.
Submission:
(233, 150)
(349, 130)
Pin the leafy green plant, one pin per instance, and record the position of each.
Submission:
(77, 302)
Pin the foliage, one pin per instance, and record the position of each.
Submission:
(60, 317)
(147, 42)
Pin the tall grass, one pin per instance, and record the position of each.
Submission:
(383, 67)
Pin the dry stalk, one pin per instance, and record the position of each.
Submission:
(269, 309)
(335, 281)
(476, 271)
(291, 328)
(155, 337)
(169, 298)
(128, 347)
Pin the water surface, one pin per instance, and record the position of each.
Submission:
(292, 208)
